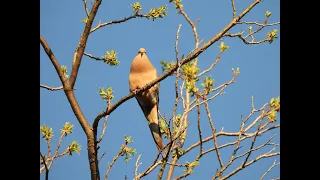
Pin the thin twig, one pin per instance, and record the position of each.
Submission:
(177, 74)
(199, 129)
(250, 163)
(51, 88)
(213, 133)
(212, 65)
(234, 9)
(258, 24)
(117, 21)
(85, 7)
(105, 122)
(137, 166)
(114, 160)
(101, 156)
(273, 165)
(45, 165)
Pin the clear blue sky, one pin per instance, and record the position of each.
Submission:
(60, 25)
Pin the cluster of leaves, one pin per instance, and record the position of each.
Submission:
(275, 107)
(190, 166)
(111, 58)
(154, 13)
(208, 84)
(189, 71)
(272, 35)
(64, 71)
(47, 132)
(66, 129)
(167, 65)
(74, 147)
(106, 94)
(178, 152)
(177, 3)
(136, 7)
(128, 152)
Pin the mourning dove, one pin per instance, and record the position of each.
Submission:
(142, 72)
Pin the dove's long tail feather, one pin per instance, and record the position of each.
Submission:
(155, 128)
(151, 113)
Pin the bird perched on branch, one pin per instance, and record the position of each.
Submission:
(143, 72)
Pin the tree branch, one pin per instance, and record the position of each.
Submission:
(117, 21)
(234, 9)
(51, 88)
(85, 7)
(45, 165)
(53, 59)
(82, 44)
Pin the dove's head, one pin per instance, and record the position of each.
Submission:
(142, 51)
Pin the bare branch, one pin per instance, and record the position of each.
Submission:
(212, 65)
(250, 163)
(214, 134)
(51, 88)
(177, 74)
(258, 24)
(53, 59)
(117, 21)
(199, 129)
(82, 44)
(104, 123)
(150, 169)
(114, 160)
(101, 156)
(45, 165)
(273, 165)
(96, 58)
(85, 7)
(234, 9)
(239, 35)
(137, 166)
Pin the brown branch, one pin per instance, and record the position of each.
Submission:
(259, 29)
(193, 27)
(137, 166)
(199, 129)
(114, 160)
(150, 169)
(102, 156)
(234, 9)
(257, 148)
(250, 163)
(272, 166)
(177, 74)
(96, 58)
(214, 134)
(117, 21)
(252, 144)
(244, 40)
(246, 135)
(195, 53)
(51, 88)
(82, 44)
(85, 7)
(104, 123)
(212, 65)
(258, 24)
(45, 165)
(53, 59)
